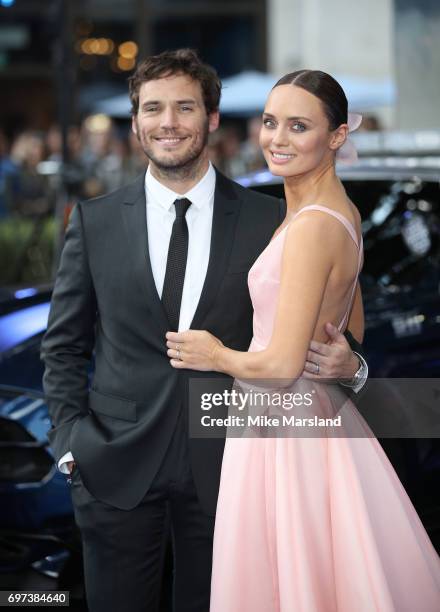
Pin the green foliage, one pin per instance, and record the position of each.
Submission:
(26, 250)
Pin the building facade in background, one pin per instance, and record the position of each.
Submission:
(417, 53)
(344, 38)
(389, 41)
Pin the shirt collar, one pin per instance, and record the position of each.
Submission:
(199, 195)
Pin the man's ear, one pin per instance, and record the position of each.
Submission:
(214, 120)
(339, 136)
(134, 125)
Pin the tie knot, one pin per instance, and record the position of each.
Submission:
(181, 206)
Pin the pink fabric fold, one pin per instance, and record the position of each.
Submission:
(347, 154)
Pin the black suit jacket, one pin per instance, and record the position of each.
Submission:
(119, 424)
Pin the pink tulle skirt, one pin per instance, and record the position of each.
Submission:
(319, 524)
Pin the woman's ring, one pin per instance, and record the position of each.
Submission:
(178, 354)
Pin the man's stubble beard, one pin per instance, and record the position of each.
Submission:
(187, 167)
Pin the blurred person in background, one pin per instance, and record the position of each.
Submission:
(128, 160)
(234, 157)
(215, 148)
(9, 178)
(27, 238)
(250, 152)
(229, 159)
(75, 175)
(109, 156)
(97, 158)
(136, 161)
(34, 197)
(54, 143)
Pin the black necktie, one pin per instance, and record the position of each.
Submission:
(176, 265)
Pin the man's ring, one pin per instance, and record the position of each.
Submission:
(317, 368)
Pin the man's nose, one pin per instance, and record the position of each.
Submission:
(168, 118)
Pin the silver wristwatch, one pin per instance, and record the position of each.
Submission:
(359, 377)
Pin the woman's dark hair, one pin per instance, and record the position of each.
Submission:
(324, 87)
(170, 63)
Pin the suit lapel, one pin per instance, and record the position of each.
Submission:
(227, 205)
(135, 223)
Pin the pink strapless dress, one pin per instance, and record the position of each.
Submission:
(315, 524)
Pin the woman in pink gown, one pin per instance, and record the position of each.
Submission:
(318, 523)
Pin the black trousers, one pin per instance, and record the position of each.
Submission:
(124, 550)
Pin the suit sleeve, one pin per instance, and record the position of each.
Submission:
(67, 346)
(354, 344)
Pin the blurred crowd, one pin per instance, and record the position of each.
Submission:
(102, 157)
(37, 190)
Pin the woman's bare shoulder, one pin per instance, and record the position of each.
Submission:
(349, 210)
(355, 210)
(356, 216)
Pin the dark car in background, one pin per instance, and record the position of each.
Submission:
(37, 529)
(36, 522)
(399, 200)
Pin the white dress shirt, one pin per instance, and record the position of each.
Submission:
(160, 214)
(160, 218)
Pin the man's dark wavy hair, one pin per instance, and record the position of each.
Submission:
(169, 63)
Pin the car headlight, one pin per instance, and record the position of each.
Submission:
(416, 234)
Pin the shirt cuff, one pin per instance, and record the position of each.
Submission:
(62, 463)
(361, 378)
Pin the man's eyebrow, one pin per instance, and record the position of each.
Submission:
(288, 118)
(188, 101)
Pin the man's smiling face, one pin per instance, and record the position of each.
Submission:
(172, 124)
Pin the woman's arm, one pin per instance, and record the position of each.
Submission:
(306, 265)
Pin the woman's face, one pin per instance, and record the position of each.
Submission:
(295, 137)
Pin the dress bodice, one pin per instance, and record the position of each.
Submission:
(264, 280)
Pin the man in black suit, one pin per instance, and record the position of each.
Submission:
(170, 251)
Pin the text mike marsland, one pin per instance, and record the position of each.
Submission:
(266, 421)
